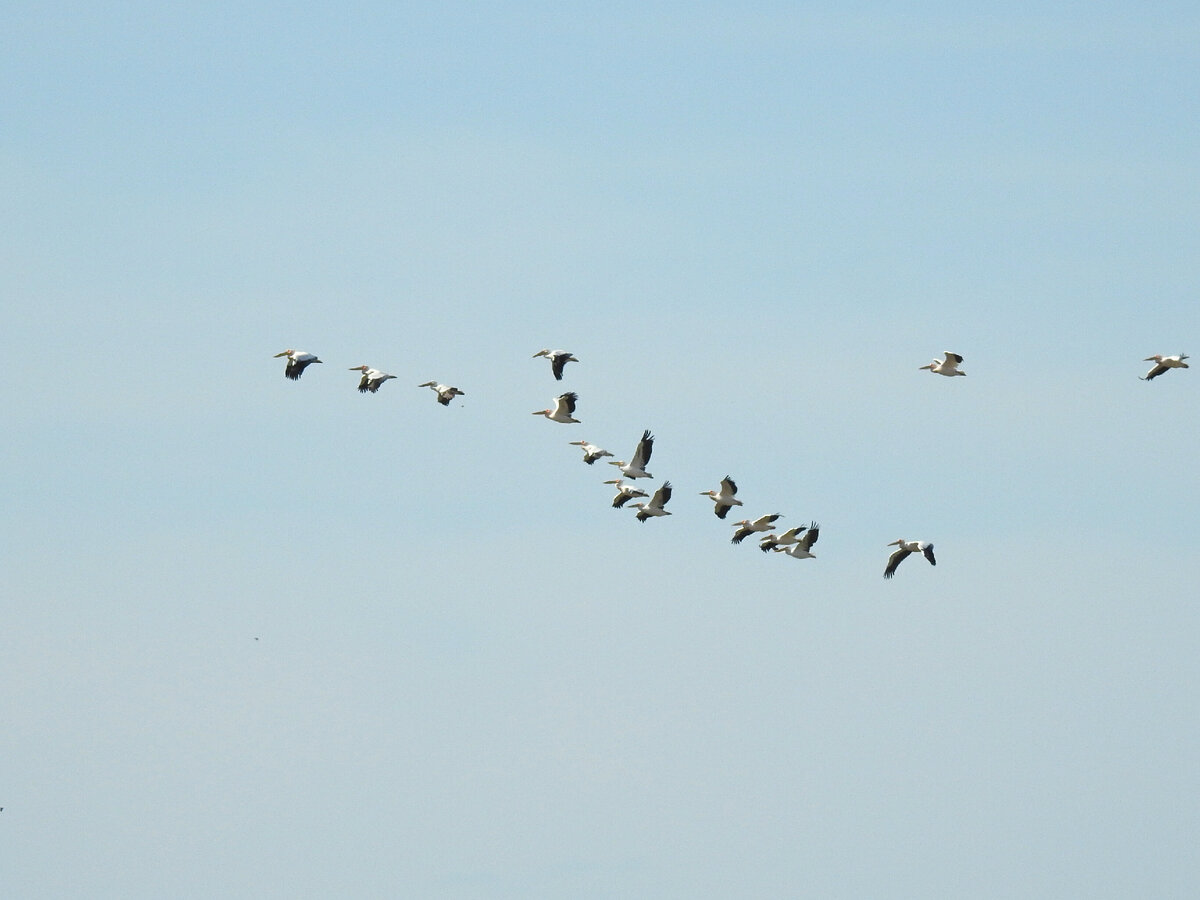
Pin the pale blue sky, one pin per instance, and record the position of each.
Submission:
(472, 677)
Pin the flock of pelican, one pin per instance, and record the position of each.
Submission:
(795, 542)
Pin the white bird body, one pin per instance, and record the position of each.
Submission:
(802, 548)
(745, 528)
(636, 467)
(656, 504)
(297, 362)
(723, 497)
(625, 492)
(1162, 363)
(948, 366)
(444, 392)
(371, 378)
(564, 406)
(905, 549)
(591, 452)
(558, 359)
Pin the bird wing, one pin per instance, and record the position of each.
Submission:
(741, 534)
(722, 509)
(953, 357)
(364, 383)
(928, 551)
(662, 495)
(641, 456)
(565, 402)
(557, 362)
(894, 560)
(728, 487)
(810, 536)
(1152, 374)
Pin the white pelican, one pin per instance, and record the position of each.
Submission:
(948, 366)
(558, 359)
(591, 452)
(907, 547)
(636, 467)
(444, 391)
(801, 548)
(625, 492)
(656, 504)
(371, 378)
(745, 528)
(772, 540)
(564, 406)
(723, 498)
(1162, 363)
(297, 362)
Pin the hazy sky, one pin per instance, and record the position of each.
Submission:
(275, 639)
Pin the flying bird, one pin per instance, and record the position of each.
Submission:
(564, 407)
(745, 528)
(444, 392)
(558, 359)
(723, 499)
(625, 492)
(907, 547)
(801, 548)
(591, 452)
(948, 366)
(656, 504)
(297, 362)
(784, 539)
(1162, 363)
(636, 467)
(371, 378)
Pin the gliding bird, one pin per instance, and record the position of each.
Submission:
(948, 366)
(636, 467)
(801, 549)
(786, 538)
(723, 498)
(297, 362)
(564, 406)
(747, 528)
(444, 392)
(625, 492)
(591, 452)
(371, 378)
(1163, 363)
(558, 359)
(656, 504)
(907, 547)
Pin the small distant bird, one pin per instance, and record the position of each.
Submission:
(948, 366)
(906, 548)
(745, 528)
(723, 498)
(1162, 363)
(297, 362)
(801, 548)
(591, 452)
(444, 392)
(625, 492)
(636, 467)
(558, 359)
(563, 409)
(371, 378)
(656, 504)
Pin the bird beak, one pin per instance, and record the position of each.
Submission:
(277, 355)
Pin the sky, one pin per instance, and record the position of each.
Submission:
(265, 638)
